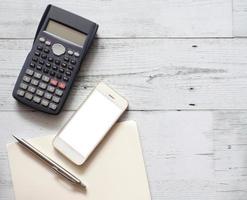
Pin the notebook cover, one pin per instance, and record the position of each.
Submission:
(115, 171)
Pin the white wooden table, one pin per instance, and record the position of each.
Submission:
(183, 67)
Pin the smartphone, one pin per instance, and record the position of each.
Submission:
(88, 126)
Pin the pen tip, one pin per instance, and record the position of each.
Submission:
(84, 186)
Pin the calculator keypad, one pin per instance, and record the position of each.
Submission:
(41, 89)
(48, 74)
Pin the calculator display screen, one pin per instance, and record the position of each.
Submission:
(66, 33)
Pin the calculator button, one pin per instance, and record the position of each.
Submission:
(61, 70)
(53, 82)
(57, 62)
(35, 59)
(20, 93)
(29, 72)
(50, 59)
(73, 62)
(41, 39)
(39, 47)
(68, 73)
(55, 99)
(37, 75)
(43, 85)
(43, 56)
(48, 95)
(45, 78)
(41, 62)
(54, 67)
(70, 67)
(70, 52)
(46, 50)
(65, 78)
(48, 65)
(50, 89)
(26, 79)
(40, 93)
(34, 82)
(53, 106)
(45, 70)
(37, 53)
(61, 85)
(76, 54)
(44, 102)
(23, 86)
(32, 65)
(31, 89)
(64, 65)
(48, 43)
(58, 49)
(36, 99)
(59, 92)
(66, 58)
(52, 73)
(28, 96)
(59, 76)
(39, 67)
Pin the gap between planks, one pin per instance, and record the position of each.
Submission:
(148, 38)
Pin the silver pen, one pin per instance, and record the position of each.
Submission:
(55, 166)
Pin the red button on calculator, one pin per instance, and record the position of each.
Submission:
(54, 82)
(61, 85)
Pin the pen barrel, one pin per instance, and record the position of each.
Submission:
(55, 166)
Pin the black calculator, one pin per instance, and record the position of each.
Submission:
(60, 45)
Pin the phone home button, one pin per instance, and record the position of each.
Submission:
(58, 49)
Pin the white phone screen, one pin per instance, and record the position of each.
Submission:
(90, 124)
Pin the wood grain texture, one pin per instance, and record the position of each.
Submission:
(121, 18)
(153, 74)
(188, 154)
(239, 18)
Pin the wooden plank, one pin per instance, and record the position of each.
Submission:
(188, 154)
(230, 155)
(139, 18)
(239, 18)
(153, 74)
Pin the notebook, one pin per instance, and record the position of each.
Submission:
(115, 171)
